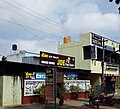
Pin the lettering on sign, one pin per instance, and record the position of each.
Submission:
(61, 62)
(56, 60)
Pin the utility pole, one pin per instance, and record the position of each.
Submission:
(103, 59)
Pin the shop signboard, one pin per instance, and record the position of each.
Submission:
(110, 48)
(96, 39)
(30, 75)
(50, 85)
(71, 76)
(34, 76)
(40, 76)
(32, 81)
(112, 67)
(56, 60)
(84, 85)
(30, 86)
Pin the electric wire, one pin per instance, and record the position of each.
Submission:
(39, 31)
(18, 13)
(35, 13)
(57, 35)
(21, 25)
(46, 18)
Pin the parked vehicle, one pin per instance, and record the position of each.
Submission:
(107, 99)
(94, 101)
(102, 99)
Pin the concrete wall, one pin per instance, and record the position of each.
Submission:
(70, 49)
(11, 90)
(16, 57)
(76, 49)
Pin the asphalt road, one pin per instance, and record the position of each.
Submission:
(68, 104)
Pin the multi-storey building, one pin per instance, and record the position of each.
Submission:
(93, 52)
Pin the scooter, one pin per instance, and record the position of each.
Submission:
(107, 100)
(101, 99)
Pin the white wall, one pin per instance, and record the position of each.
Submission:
(11, 90)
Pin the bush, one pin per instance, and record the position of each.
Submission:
(40, 90)
(75, 89)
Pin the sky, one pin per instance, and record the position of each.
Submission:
(39, 25)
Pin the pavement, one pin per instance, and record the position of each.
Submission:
(68, 104)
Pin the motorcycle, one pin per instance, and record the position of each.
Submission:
(101, 99)
(94, 101)
(107, 100)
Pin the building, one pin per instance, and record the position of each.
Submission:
(22, 72)
(95, 53)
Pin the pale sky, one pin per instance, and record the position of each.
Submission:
(38, 25)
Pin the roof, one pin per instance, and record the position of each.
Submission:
(8, 68)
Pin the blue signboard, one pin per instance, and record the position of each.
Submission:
(110, 48)
(71, 76)
(40, 75)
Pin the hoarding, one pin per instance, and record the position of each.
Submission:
(56, 60)
(71, 76)
(84, 85)
(30, 86)
(40, 76)
(30, 75)
(34, 76)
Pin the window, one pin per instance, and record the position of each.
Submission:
(90, 52)
(87, 50)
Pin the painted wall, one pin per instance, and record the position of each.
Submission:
(70, 49)
(76, 49)
(11, 90)
(16, 57)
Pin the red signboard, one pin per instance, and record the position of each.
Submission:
(56, 60)
(49, 91)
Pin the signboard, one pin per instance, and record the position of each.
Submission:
(30, 86)
(34, 76)
(96, 40)
(40, 76)
(84, 85)
(111, 66)
(49, 85)
(56, 60)
(71, 76)
(110, 48)
(30, 75)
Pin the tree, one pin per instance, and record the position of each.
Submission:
(117, 2)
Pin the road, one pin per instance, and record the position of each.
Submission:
(68, 104)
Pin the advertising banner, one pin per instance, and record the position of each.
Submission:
(40, 76)
(29, 75)
(56, 60)
(30, 86)
(34, 76)
(71, 76)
